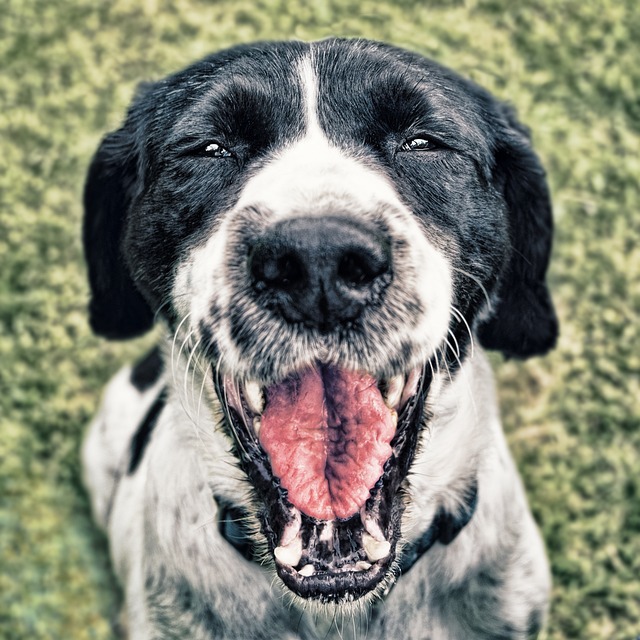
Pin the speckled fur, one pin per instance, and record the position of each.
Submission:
(470, 228)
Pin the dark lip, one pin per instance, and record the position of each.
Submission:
(334, 587)
(332, 581)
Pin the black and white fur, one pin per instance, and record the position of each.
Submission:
(213, 157)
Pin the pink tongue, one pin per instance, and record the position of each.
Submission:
(328, 435)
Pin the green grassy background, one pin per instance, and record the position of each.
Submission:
(571, 67)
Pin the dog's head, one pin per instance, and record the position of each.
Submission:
(332, 223)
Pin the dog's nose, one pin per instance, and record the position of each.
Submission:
(320, 271)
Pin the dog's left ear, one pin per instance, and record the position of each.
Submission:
(117, 309)
(523, 322)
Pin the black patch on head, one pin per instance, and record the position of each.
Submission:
(142, 435)
(147, 371)
(153, 191)
(480, 187)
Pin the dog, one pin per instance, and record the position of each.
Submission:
(331, 234)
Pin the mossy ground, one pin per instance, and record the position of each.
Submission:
(572, 69)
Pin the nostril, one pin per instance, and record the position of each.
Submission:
(275, 270)
(286, 271)
(360, 269)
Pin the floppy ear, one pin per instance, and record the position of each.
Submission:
(523, 322)
(117, 309)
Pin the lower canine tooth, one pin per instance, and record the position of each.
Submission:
(291, 553)
(375, 549)
(362, 565)
(257, 424)
(254, 396)
(307, 570)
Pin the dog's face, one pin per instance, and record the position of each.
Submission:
(332, 223)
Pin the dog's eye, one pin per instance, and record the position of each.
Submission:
(419, 144)
(213, 150)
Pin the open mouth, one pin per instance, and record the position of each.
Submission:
(327, 451)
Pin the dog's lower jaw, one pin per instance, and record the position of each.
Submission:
(442, 476)
(338, 557)
(171, 556)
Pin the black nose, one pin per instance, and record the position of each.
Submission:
(320, 271)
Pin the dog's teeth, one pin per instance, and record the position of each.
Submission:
(291, 529)
(254, 396)
(307, 570)
(394, 418)
(257, 424)
(394, 391)
(371, 525)
(375, 549)
(362, 565)
(291, 554)
(327, 532)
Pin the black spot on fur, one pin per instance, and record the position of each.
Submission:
(534, 624)
(147, 371)
(185, 598)
(142, 436)
(444, 528)
(452, 524)
(231, 521)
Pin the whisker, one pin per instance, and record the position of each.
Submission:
(202, 386)
(175, 362)
(446, 364)
(480, 285)
(226, 403)
(437, 361)
(433, 373)
(167, 302)
(173, 347)
(192, 351)
(463, 372)
(457, 351)
(205, 523)
(466, 324)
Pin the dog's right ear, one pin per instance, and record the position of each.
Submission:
(524, 322)
(117, 309)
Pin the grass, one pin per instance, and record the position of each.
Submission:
(572, 69)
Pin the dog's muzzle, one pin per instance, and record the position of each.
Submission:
(326, 448)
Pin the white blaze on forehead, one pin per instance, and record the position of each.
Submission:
(305, 174)
(309, 81)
